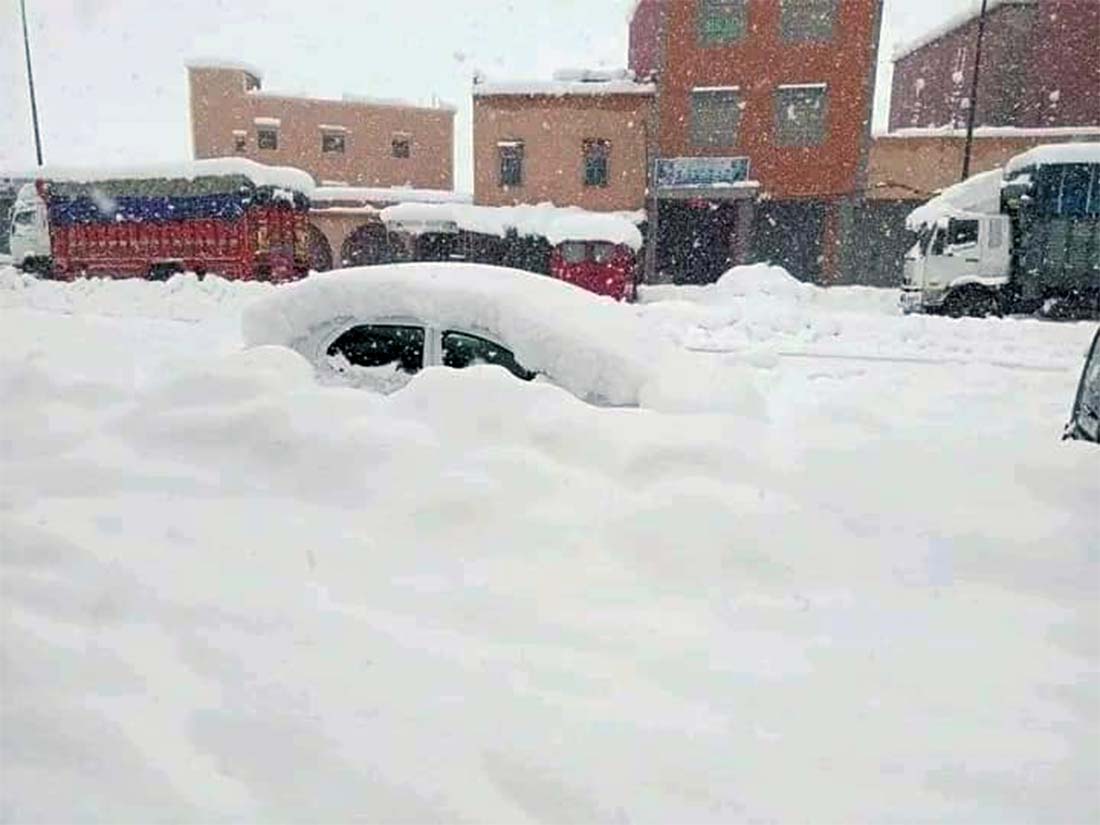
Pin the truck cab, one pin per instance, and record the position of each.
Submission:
(958, 265)
(29, 232)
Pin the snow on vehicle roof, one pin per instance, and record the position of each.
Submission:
(978, 194)
(393, 194)
(283, 177)
(591, 346)
(556, 224)
(1054, 153)
(953, 22)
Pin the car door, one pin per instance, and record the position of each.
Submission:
(1084, 423)
(379, 356)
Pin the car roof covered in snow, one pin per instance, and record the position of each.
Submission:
(258, 174)
(1054, 153)
(587, 344)
(556, 224)
(978, 194)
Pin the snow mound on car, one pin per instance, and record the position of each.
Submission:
(590, 345)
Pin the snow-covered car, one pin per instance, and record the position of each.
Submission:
(1084, 420)
(378, 326)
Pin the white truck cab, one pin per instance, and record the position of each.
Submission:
(29, 232)
(958, 264)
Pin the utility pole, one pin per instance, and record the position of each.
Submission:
(973, 110)
(30, 83)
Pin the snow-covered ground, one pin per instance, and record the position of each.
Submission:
(230, 593)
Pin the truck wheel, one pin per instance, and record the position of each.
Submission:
(971, 301)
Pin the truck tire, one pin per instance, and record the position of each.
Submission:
(971, 301)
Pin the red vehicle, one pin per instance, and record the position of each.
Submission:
(232, 217)
(598, 266)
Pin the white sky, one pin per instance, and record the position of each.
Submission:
(112, 85)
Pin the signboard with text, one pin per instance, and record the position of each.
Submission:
(699, 173)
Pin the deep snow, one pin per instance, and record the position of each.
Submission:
(231, 593)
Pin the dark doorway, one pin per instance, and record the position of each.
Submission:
(695, 240)
(788, 234)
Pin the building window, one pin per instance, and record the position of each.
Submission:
(800, 115)
(333, 142)
(715, 114)
(401, 146)
(596, 155)
(511, 162)
(721, 21)
(240, 142)
(807, 20)
(267, 138)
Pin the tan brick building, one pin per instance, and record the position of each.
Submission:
(351, 142)
(580, 139)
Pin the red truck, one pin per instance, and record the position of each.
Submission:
(232, 217)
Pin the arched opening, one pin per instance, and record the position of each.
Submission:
(369, 244)
(320, 253)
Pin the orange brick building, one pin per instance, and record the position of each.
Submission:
(348, 142)
(578, 140)
(773, 92)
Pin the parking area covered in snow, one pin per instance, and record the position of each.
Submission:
(231, 592)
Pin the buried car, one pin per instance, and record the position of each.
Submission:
(1084, 420)
(378, 326)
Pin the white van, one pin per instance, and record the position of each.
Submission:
(29, 233)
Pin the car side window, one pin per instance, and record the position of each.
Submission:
(602, 252)
(461, 350)
(379, 345)
(573, 252)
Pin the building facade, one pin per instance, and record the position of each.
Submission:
(347, 142)
(579, 140)
(1040, 68)
(763, 112)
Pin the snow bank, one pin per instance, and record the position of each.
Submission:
(233, 594)
(183, 297)
(761, 315)
(980, 194)
(284, 177)
(589, 345)
(1054, 153)
(545, 220)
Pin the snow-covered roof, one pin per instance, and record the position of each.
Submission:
(284, 177)
(953, 22)
(1054, 153)
(595, 348)
(978, 194)
(221, 63)
(352, 100)
(556, 224)
(393, 194)
(570, 82)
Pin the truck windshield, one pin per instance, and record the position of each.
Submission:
(24, 218)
